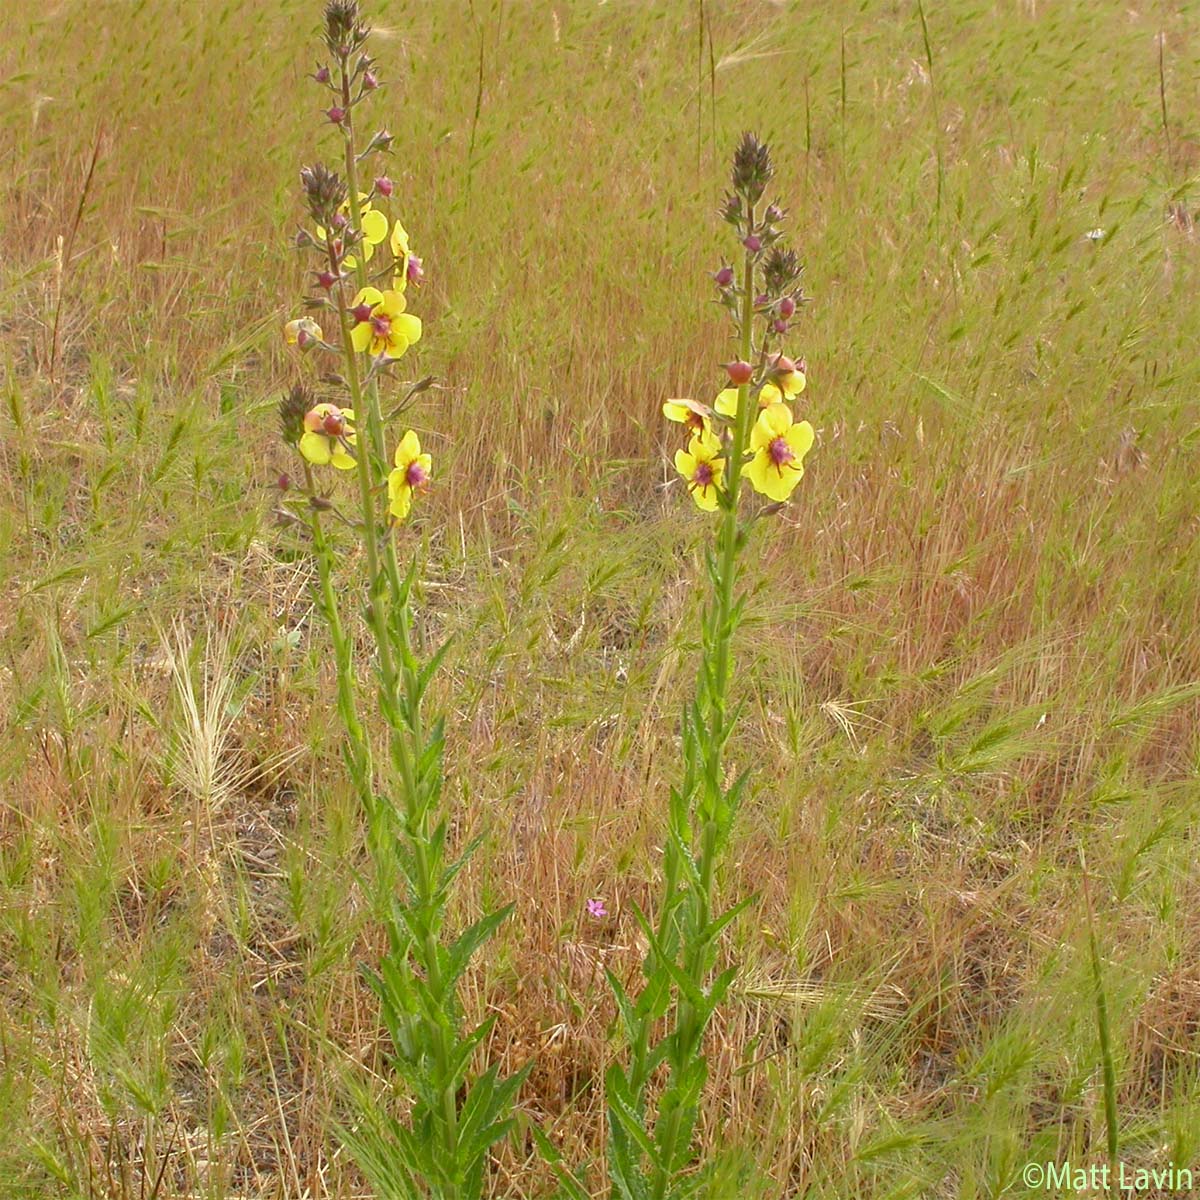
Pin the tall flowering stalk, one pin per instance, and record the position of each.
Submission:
(747, 436)
(362, 272)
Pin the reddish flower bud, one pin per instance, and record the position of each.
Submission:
(337, 247)
(283, 482)
(304, 339)
(753, 243)
(334, 424)
(761, 299)
(413, 271)
(783, 364)
(739, 372)
(787, 306)
(370, 83)
(322, 75)
(336, 115)
(773, 213)
(779, 325)
(361, 313)
(326, 279)
(384, 186)
(340, 221)
(724, 277)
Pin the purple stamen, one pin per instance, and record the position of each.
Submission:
(416, 475)
(704, 475)
(781, 453)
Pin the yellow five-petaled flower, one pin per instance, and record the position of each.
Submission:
(411, 474)
(779, 446)
(381, 324)
(703, 468)
(327, 433)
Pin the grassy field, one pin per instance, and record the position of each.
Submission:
(971, 668)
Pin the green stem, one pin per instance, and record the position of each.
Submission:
(343, 653)
(407, 735)
(689, 1028)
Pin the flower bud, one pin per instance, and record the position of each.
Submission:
(724, 277)
(752, 169)
(739, 372)
(284, 482)
(384, 186)
(779, 325)
(336, 115)
(322, 75)
(333, 424)
(304, 339)
(753, 243)
(326, 279)
(787, 306)
(361, 313)
(413, 271)
(340, 221)
(773, 213)
(370, 83)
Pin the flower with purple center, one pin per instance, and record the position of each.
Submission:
(596, 909)
(381, 326)
(410, 475)
(701, 465)
(779, 445)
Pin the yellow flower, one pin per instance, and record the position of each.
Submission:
(702, 467)
(303, 332)
(382, 326)
(788, 375)
(400, 253)
(779, 446)
(411, 474)
(726, 402)
(687, 412)
(374, 228)
(327, 433)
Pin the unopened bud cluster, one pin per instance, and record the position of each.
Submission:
(761, 234)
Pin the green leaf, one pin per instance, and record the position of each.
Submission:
(472, 938)
(569, 1185)
(622, 1109)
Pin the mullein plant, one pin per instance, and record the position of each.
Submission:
(356, 328)
(747, 436)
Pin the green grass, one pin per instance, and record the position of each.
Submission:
(974, 651)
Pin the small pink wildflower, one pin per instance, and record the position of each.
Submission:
(596, 909)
